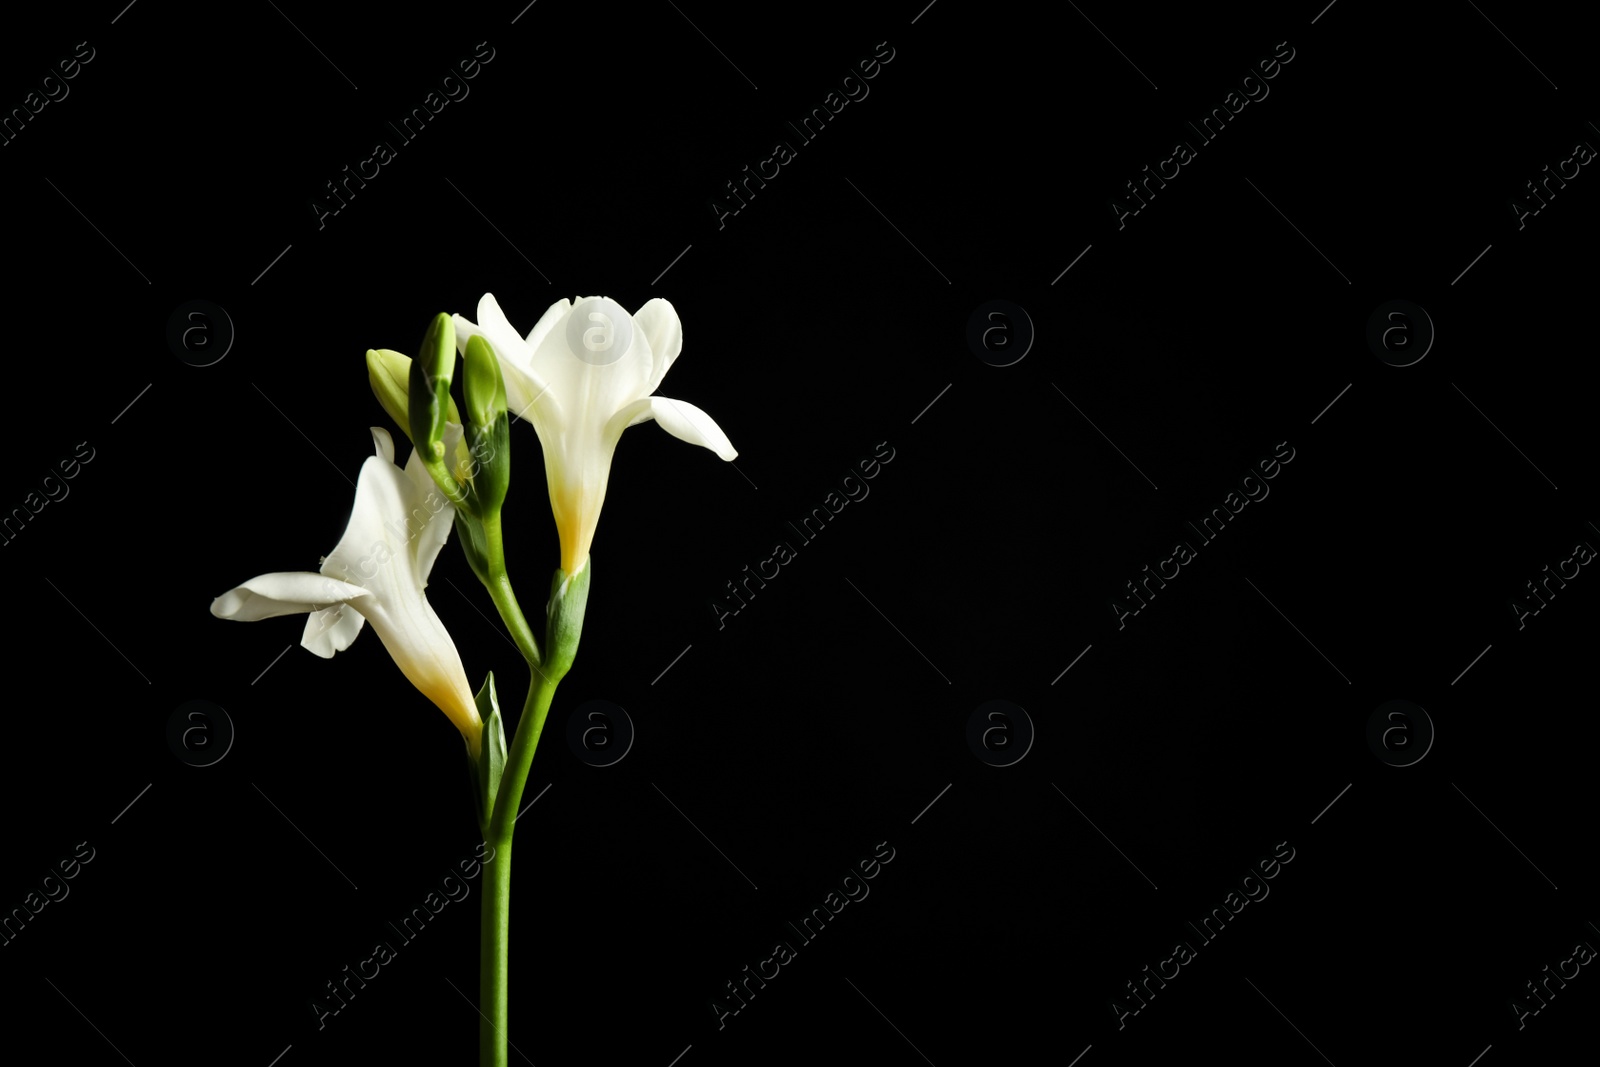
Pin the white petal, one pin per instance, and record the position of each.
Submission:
(660, 324)
(466, 329)
(398, 524)
(367, 545)
(388, 546)
(524, 385)
(528, 397)
(282, 593)
(421, 647)
(430, 537)
(685, 421)
(493, 321)
(547, 410)
(587, 393)
(552, 315)
(383, 442)
(332, 629)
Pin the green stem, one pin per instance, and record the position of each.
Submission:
(440, 472)
(499, 586)
(496, 928)
(495, 934)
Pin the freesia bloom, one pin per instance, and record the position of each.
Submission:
(377, 573)
(584, 374)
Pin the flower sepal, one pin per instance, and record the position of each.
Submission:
(569, 596)
(474, 545)
(490, 764)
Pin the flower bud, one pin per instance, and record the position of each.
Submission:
(389, 374)
(431, 372)
(488, 430)
(485, 389)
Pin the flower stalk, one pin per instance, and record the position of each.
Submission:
(564, 626)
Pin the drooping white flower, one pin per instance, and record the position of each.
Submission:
(378, 574)
(583, 374)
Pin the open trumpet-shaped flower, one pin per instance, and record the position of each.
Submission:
(582, 375)
(377, 574)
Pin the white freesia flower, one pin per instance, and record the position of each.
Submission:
(584, 374)
(377, 573)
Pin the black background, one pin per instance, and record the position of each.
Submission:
(821, 320)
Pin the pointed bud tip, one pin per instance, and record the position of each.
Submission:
(438, 353)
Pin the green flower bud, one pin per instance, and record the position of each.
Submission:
(485, 388)
(389, 374)
(431, 372)
(488, 430)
